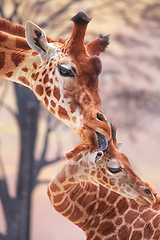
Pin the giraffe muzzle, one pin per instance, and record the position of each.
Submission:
(146, 198)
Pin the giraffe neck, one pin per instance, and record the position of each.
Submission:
(18, 66)
(103, 214)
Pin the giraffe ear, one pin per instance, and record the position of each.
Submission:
(36, 38)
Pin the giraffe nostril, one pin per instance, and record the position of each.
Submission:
(101, 117)
(148, 191)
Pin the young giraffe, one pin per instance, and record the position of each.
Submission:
(64, 76)
(85, 191)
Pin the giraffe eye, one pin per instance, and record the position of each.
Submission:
(114, 170)
(65, 72)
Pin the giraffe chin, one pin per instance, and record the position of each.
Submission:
(102, 141)
(145, 201)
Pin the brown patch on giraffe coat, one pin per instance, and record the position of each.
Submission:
(2, 59)
(9, 74)
(90, 234)
(46, 79)
(102, 205)
(35, 76)
(99, 174)
(58, 198)
(90, 209)
(73, 106)
(85, 201)
(97, 238)
(157, 235)
(53, 72)
(104, 172)
(67, 186)
(24, 80)
(112, 197)
(122, 206)
(122, 233)
(147, 216)
(63, 113)
(142, 208)
(34, 54)
(39, 90)
(63, 206)
(93, 173)
(148, 231)
(46, 101)
(106, 228)
(77, 214)
(56, 93)
(54, 187)
(3, 37)
(96, 222)
(112, 182)
(44, 71)
(74, 119)
(53, 103)
(139, 224)
(134, 205)
(48, 91)
(56, 79)
(25, 69)
(51, 80)
(136, 235)
(68, 212)
(22, 43)
(49, 193)
(35, 65)
(17, 58)
(119, 221)
(156, 221)
(110, 214)
(130, 216)
(103, 192)
(52, 111)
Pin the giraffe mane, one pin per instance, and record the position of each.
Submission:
(18, 30)
(14, 29)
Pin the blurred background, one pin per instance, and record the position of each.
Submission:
(33, 142)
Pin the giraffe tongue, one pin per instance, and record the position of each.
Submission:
(102, 142)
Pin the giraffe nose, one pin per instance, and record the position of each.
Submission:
(101, 117)
(148, 191)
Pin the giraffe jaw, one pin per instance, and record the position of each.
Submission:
(102, 141)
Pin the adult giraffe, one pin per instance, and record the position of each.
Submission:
(64, 76)
(85, 191)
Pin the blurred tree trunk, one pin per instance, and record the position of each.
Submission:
(28, 108)
(17, 210)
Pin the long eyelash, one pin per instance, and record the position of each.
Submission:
(64, 71)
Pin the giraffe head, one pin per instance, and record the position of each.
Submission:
(67, 80)
(111, 169)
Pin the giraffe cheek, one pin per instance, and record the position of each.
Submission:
(88, 137)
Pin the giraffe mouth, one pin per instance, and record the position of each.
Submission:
(102, 141)
(145, 201)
